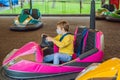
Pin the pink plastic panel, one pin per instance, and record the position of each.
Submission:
(56, 49)
(75, 33)
(28, 48)
(98, 40)
(96, 57)
(42, 67)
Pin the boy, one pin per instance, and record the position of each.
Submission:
(64, 40)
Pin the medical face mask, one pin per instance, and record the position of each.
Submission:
(58, 31)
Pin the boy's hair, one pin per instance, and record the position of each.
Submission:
(63, 24)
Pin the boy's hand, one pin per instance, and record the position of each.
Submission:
(49, 39)
(44, 35)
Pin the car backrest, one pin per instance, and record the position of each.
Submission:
(90, 41)
(80, 34)
(35, 13)
(110, 7)
(94, 40)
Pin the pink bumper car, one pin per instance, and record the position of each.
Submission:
(27, 62)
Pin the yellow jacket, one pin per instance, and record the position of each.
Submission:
(66, 45)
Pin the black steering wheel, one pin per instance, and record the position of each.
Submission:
(45, 43)
(47, 46)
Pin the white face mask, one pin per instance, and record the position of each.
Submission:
(58, 31)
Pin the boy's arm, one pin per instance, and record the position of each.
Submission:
(66, 41)
(57, 37)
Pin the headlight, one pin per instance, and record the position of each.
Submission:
(16, 21)
(89, 68)
(12, 62)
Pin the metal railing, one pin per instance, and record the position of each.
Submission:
(54, 7)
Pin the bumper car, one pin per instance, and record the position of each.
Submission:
(100, 13)
(113, 16)
(104, 11)
(27, 62)
(108, 70)
(29, 19)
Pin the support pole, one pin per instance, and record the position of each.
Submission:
(30, 6)
(102, 2)
(92, 15)
(119, 4)
(80, 6)
(10, 3)
(21, 3)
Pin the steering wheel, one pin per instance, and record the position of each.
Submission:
(45, 43)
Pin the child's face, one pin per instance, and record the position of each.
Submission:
(58, 27)
(59, 30)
